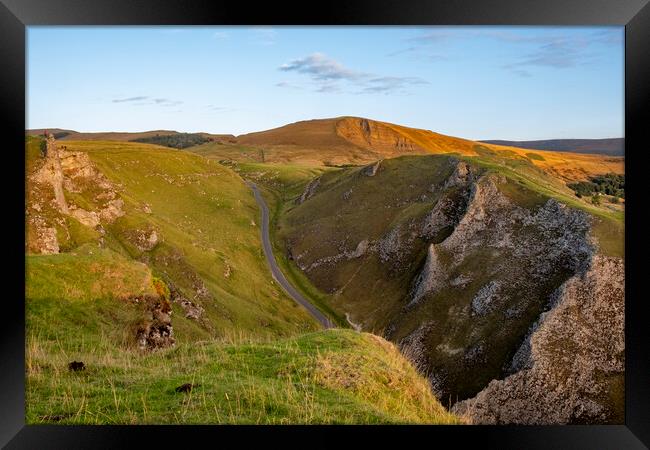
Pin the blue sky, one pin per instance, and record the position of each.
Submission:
(475, 82)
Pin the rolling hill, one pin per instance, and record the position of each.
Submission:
(71, 135)
(611, 147)
(476, 267)
(353, 140)
(144, 267)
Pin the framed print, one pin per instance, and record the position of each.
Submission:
(425, 216)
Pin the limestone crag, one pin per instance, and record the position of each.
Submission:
(309, 191)
(525, 254)
(376, 136)
(62, 172)
(430, 276)
(371, 170)
(571, 362)
(155, 330)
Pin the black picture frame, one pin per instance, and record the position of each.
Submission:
(15, 15)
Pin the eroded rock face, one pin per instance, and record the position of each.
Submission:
(371, 170)
(156, 330)
(309, 191)
(144, 239)
(458, 277)
(571, 367)
(430, 276)
(64, 171)
(486, 283)
(192, 310)
(375, 136)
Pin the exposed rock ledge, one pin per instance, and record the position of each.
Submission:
(573, 362)
(309, 191)
(371, 170)
(73, 172)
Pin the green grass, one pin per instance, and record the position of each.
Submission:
(535, 156)
(280, 184)
(375, 292)
(236, 152)
(79, 307)
(87, 273)
(205, 217)
(336, 376)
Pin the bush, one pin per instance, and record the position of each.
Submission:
(595, 200)
(608, 184)
(179, 140)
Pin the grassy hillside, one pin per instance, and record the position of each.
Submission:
(207, 247)
(337, 376)
(611, 147)
(87, 303)
(280, 184)
(355, 140)
(71, 135)
(324, 236)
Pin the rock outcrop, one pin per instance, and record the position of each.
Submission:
(371, 170)
(571, 367)
(155, 330)
(51, 172)
(459, 265)
(500, 264)
(430, 276)
(62, 172)
(376, 136)
(309, 191)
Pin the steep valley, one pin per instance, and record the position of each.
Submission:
(148, 301)
(455, 261)
(472, 275)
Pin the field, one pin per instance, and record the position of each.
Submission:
(337, 376)
(252, 353)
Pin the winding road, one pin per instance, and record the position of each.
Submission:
(275, 269)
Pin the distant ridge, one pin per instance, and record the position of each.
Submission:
(356, 140)
(610, 147)
(71, 135)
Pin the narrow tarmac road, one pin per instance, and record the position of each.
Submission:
(275, 269)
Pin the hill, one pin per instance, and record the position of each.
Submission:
(353, 140)
(148, 301)
(611, 147)
(192, 221)
(330, 377)
(143, 136)
(456, 259)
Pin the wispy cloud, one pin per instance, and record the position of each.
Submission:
(558, 50)
(130, 99)
(264, 35)
(141, 100)
(220, 35)
(328, 75)
(321, 68)
(386, 85)
(558, 53)
(219, 108)
(286, 84)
